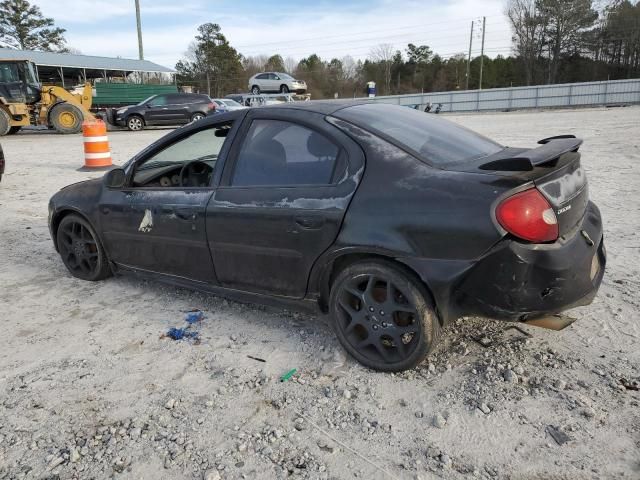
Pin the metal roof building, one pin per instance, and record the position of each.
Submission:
(70, 68)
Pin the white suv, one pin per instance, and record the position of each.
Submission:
(275, 82)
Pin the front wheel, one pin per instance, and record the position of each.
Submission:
(135, 123)
(382, 316)
(284, 89)
(81, 250)
(66, 118)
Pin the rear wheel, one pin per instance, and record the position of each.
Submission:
(197, 116)
(135, 123)
(14, 130)
(382, 316)
(81, 250)
(5, 122)
(284, 89)
(255, 90)
(66, 118)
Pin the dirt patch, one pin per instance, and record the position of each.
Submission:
(89, 389)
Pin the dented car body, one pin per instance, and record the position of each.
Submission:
(296, 195)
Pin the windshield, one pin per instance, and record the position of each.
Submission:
(9, 73)
(147, 99)
(285, 76)
(231, 103)
(438, 141)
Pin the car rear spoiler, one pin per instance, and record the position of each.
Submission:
(551, 149)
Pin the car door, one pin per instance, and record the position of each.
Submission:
(176, 111)
(160, 227)
(283, 195)
(156, 111)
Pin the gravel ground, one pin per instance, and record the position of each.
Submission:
(90, 389)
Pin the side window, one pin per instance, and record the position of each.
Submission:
(201, 149)
(282, 153)
(158, 101)
(263, 76)
(176, 99)
(273, 76)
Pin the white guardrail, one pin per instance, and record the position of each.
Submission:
(612, 92)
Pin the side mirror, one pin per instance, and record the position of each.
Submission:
(115, 178)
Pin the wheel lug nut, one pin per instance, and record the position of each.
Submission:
(375, 327)
(371, 309)
(384, 325)
(381, 312)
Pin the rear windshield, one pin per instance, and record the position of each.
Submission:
(429, 136)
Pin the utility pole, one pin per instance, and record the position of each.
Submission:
(140, 51)
(469, 58)
(484, 23)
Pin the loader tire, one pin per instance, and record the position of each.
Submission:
(66, 118)
(5, 122)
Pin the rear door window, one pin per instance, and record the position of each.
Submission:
(438, 141)
(280, 153)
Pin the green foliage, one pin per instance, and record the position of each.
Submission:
(23, 26)
(213, 66)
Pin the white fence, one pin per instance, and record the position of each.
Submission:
(612, 92)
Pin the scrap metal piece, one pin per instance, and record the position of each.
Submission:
(552, 322)
(558, 435)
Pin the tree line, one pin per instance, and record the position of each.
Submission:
(553, 41)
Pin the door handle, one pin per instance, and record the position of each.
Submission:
(185, 213)
(309, 223)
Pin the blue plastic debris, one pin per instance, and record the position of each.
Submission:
(194, 316)
(181, 333)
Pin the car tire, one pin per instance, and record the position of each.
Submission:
(284, 89)
(66, 118)
(135, 123)
(81, 250)
(14, 130)
(5, 123)
(255, 90)
(197, 116)
(371, 324)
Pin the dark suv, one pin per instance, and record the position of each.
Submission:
(165, 109)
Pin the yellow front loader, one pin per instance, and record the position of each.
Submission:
(23, 101)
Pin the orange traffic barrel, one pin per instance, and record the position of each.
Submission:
(97, 154)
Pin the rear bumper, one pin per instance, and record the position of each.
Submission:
(519, 281)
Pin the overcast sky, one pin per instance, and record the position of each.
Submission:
(330, 28)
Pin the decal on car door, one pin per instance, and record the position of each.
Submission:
(146, 225)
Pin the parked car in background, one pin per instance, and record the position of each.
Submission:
(165, 109)
(1, 163)
(237, 97)
(275, 82)
(395, 222)
(227, 104)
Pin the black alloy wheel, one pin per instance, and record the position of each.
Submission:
(381, 316)
(81, 250)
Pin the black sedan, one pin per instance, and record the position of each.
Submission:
(394, 221)
(165, 109)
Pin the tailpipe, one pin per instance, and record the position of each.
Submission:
(552, 322)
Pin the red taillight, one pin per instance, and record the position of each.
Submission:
(529, 216)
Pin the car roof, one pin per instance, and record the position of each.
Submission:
(325, 107)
